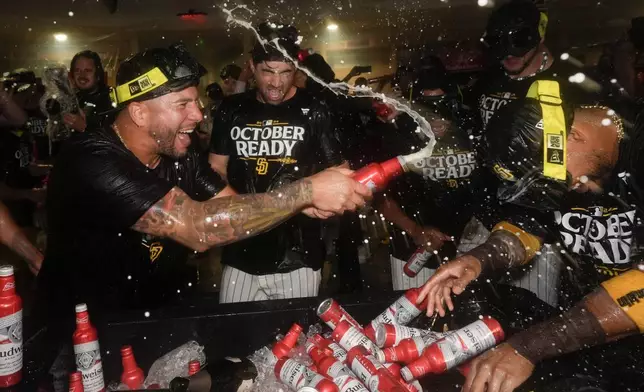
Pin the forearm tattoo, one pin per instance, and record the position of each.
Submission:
(501, 250)
(201, 225)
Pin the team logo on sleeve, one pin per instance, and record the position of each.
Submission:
(267, 141)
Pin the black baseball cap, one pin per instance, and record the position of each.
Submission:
(230, 71)
(155, 72)
(514, 29)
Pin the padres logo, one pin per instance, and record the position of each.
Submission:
(503, 172)
(155, 251)
(262, 166)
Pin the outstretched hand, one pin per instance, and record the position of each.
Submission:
(450, 278)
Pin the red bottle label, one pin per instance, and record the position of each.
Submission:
(11, 343)
(88, 362)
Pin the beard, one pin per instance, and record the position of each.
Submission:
(165, 140)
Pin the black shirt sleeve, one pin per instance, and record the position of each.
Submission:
(109, 185)
(328, 133)
(208, 183)
(220, 142)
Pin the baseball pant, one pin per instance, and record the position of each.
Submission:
(401, 281)
(238, 286)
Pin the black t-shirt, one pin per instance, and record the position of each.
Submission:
(95, 104)
(16, 156)
(96, 192)
(438, 191)
(269, 146)
(602, 234)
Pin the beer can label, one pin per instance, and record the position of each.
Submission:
(467, 342)
(88, 362)
(11, 343)
(349, 384)
(352, 338)
(338, 352)
(402, 332)
(424, 341)
(401, 312)
(339, 369)
(360, 370)
(374, 383)
(312, 379)
(293, 374)
(418, 260)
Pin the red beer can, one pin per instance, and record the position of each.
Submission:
(348, 336)
(455, 348)
(87, 351)
(401, 312)
(349, 384)
(281, 348)
(376, 176)
(332, 368)
(389, 335)
(409, 349)
(317, 341)
(332, 313)
(76, 382)
(417, 261)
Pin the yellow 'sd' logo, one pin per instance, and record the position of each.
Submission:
(262, 166)
(503, 172)
(155, 251)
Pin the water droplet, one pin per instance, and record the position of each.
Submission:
(146, 314)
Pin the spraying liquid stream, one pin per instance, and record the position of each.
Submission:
(342, 89)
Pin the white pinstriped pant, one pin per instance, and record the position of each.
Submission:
(238, 286)
(541, 276)
(401, 281)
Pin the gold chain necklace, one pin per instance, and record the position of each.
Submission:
(115, 128)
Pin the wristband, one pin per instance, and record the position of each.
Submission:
(531, 243)
(501, 250)
(627, 290)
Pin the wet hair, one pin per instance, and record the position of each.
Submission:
(98, 64)
(286, 36)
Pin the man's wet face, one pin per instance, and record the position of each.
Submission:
(274, 80)
(514, 65)
(173, 117)
(84, 74)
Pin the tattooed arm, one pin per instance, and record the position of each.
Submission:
(14, 238)
(219, 221)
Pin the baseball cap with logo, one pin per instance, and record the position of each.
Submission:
(155, 72)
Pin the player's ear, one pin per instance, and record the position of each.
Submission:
(139, 113)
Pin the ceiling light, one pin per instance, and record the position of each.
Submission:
(60, 37)
(332, 27)
(483, 3)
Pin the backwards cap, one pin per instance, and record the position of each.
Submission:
(514, 29)
(286, 37)
(155, 72)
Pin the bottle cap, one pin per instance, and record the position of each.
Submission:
(6, 270)
(81, 308)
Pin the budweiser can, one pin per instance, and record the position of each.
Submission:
(338, 352)
(401, 312)
(317, 341)
(87, 351)
(281, 348)
(291, 373)
(394, 369)
(349, 336)
(333, 368)
(376, 176)
(409, 349)
(194, 367)
(332, 313)
(383, 381)
(349, 384)
(455, 348)
(11, 329)
(319, 383)
(416, 262)
(413, 386)
(388, 335)
(76, 382)
(363, 364)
